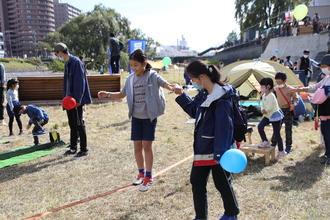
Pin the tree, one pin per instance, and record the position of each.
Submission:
(231, 39)
(262, 14)
(44, 48)
(88, 34)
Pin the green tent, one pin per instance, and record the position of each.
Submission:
(245, 75)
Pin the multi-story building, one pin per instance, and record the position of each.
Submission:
(25, 22)
(64, 12)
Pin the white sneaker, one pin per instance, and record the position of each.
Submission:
(139, 179)
(2, 122)
(280, 155)
(146, 184)
(264, 144)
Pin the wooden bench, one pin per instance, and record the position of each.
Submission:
(50, 87)
(269, 152)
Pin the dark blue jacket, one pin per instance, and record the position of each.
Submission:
(33, 111)
(213, 134)
(75, 81)
(115, 46)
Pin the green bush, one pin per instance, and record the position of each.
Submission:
(56, 66)
(213, 62)
(32, 60)
(4, 60)
(124, 62)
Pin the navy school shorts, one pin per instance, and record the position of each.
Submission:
(143, 129)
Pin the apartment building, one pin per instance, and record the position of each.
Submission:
(25, 22)
(64, 12)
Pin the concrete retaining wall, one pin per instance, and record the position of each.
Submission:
(234, 54)
(295, 45)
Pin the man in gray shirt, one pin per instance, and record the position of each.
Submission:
(115, 47)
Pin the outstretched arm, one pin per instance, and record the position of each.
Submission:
(303, 89)
(113, 95)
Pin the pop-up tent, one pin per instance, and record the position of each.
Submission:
(245, 75)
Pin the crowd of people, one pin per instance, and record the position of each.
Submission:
(214, 126)
(303, 67)
(293, 28)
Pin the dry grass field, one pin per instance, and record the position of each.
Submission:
(297, 187)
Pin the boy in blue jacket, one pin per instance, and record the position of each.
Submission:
(37, 116)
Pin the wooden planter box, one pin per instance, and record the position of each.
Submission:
(50, 87)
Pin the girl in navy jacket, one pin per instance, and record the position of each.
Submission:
(213, 135)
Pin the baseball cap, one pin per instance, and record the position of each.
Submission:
(60, 47)
(325, 60)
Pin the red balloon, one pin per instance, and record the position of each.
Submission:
(69, 102)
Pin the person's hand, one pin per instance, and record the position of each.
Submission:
(292, 108)
(41, 122)
(102, 94)
(296, 90)
(263, 112)
(78, 104)
(28, 127)
(177, 88)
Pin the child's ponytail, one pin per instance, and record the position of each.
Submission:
(141, 57)
(215, 75)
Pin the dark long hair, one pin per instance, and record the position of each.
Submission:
(267, 82)
(11, 82)
(140, 56)
(198, 67)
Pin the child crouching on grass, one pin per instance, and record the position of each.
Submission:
(37, 116)
(272, 114)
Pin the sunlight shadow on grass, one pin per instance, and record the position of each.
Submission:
(119, 125)
(13, 172)
(255, 164)
(303, 175)
(146, 207)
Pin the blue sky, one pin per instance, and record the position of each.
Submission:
(203, 23)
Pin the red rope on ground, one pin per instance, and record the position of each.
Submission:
(103, 194)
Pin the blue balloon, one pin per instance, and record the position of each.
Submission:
(276, 51)
(233, 161)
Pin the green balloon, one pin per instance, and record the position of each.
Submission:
(300, 12)
(166, 61)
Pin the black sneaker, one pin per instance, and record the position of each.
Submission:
(323, 157)
(69, 152)
(80, 154)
